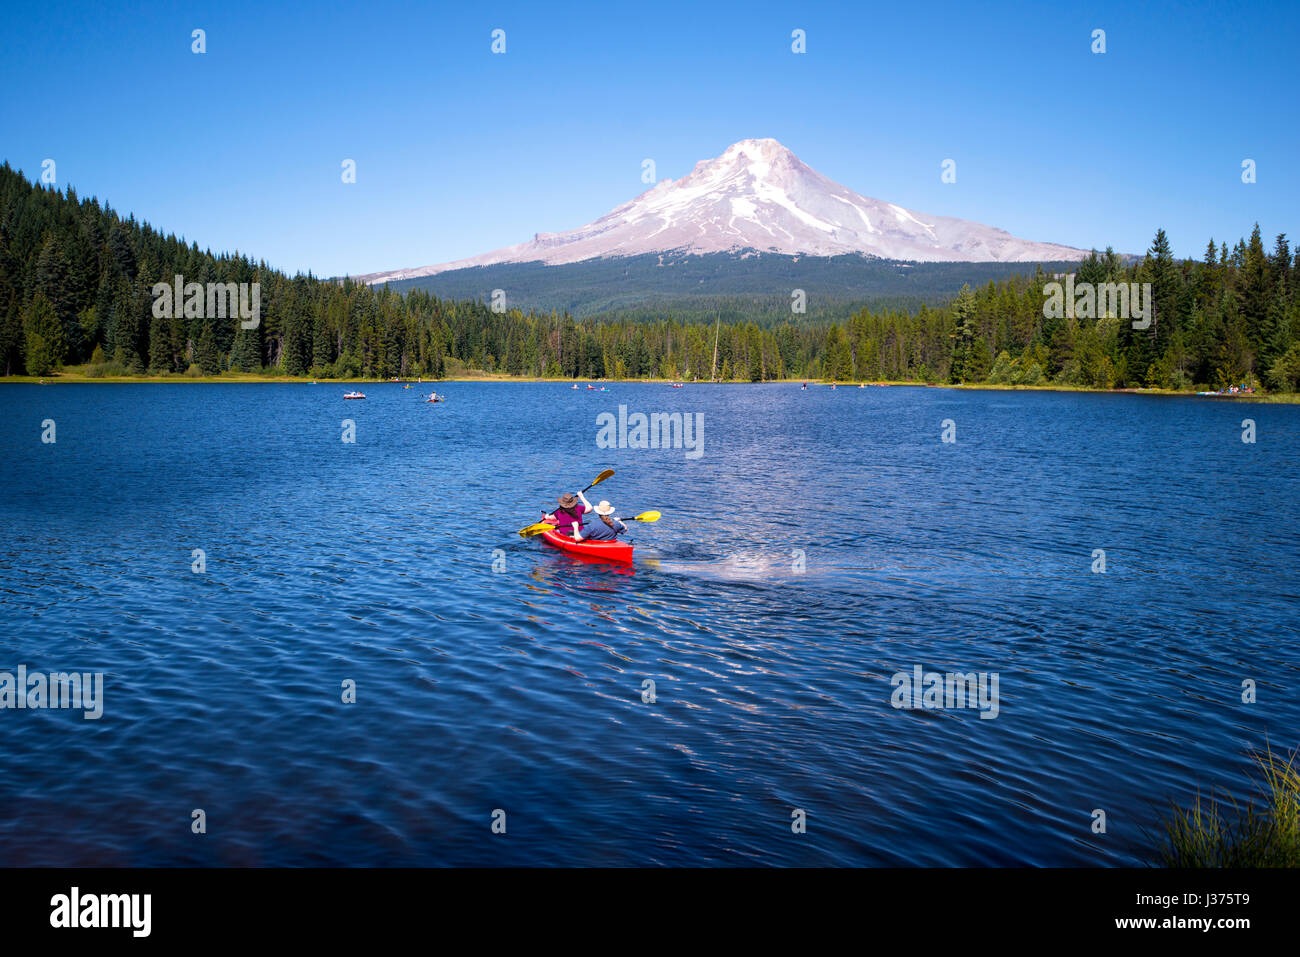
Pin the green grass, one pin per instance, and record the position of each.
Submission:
(1213, 834)
(457, 372)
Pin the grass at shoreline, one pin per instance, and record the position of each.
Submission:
(1287, 398)
(1228, 834)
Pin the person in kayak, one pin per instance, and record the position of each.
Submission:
(567, 519)
(605, 530)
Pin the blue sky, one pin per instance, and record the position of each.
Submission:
(460, 151)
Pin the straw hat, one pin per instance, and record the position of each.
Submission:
(604, 508)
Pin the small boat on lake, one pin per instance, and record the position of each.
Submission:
(354, 395)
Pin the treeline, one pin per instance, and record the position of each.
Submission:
(1232, 317)
(76, 290)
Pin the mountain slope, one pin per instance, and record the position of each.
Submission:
(732, 285)
(760, 196)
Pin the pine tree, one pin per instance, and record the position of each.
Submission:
(44, 336)
(55, 281)
(122, 250)
(322, 346)
(160, 353)
(246, 354)
(11, 337)
(963, 314)
(1255, 289)
(127, 324)
(205, 353)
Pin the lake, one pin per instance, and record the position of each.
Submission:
(821, 543)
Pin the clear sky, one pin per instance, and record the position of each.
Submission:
(459, 151)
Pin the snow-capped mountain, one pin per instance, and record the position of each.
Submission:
(759, 195)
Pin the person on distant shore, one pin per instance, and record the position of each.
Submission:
(605, 530)
(567, 519)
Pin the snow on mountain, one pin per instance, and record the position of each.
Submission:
(759, 195)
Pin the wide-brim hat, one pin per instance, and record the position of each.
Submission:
(604, 508)
(568, 500)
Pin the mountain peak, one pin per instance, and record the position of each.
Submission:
(764, 148)
(759, 195)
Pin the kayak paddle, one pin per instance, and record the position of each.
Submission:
(608, 473)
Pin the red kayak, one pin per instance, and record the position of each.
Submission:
(611, 551)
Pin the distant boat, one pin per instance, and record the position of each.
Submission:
(575, 385)
(354, 395)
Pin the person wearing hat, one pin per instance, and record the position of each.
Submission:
(567, 519)
(605, 530)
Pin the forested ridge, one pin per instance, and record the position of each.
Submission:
(76, 280)
(739, 286)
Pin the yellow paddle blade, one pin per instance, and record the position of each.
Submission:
(535, 529)
(608, 473)
(647, 517)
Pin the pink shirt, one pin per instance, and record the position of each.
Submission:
(565, 518)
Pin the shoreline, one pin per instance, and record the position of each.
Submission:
(1286, 398)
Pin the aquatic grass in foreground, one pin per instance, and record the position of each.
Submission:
(1205, 836)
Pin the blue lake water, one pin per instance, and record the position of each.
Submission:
(520, 688)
